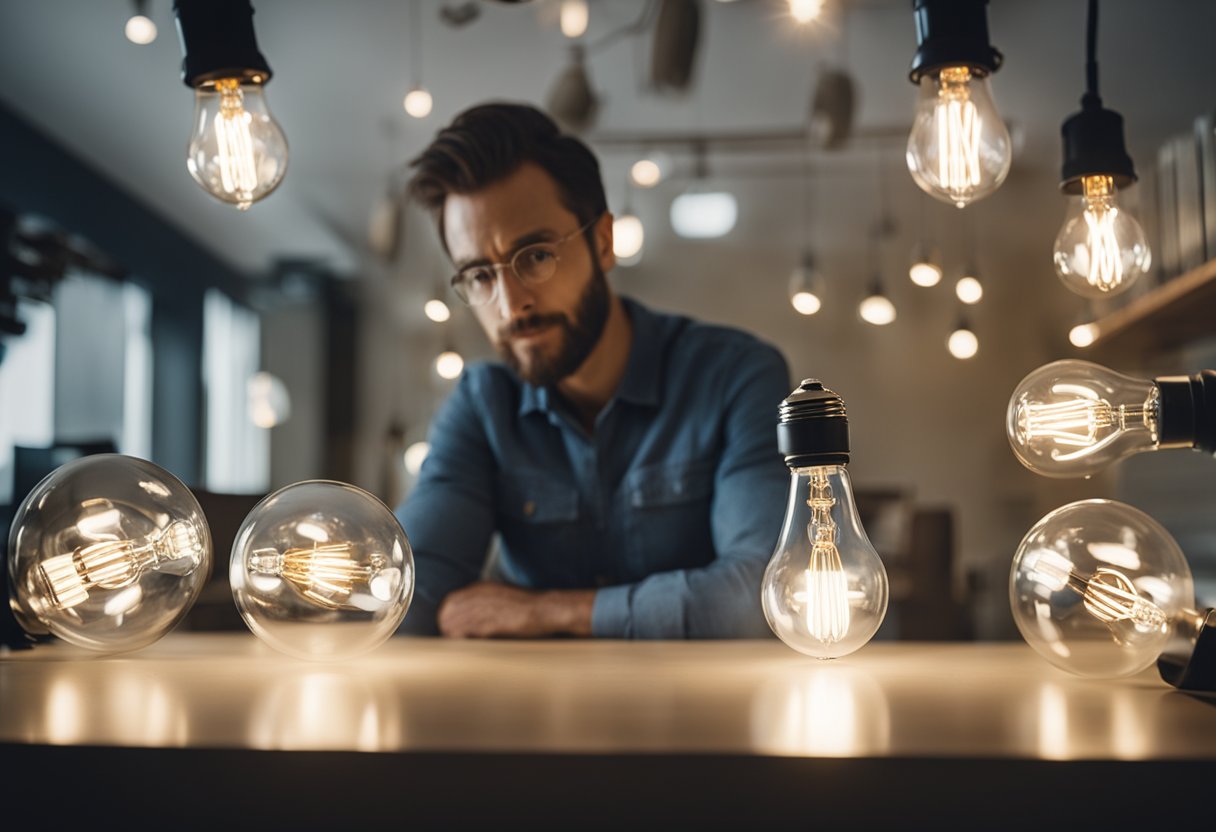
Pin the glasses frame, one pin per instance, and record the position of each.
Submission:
(499, 268)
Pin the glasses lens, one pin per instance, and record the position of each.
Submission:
(535, 264)
(475, 286)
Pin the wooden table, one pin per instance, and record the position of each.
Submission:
(216, 728)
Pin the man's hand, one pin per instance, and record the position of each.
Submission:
(488, 610)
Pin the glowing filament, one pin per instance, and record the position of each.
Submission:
(827, 597)
(1084, 421)
(238, 173)
(1105, 261)
(114, 564)
(958, 135)
(325, 574)
(1108, 594)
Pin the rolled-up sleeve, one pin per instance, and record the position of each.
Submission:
(721, 599)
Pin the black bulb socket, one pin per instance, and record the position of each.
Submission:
(952, 33)
(1094, 146)
(812, 427)
(218, 41)
(1190, 663)
(1188, 411)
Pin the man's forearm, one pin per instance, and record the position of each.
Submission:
(566, 611)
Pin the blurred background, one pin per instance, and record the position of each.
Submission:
(246, 350)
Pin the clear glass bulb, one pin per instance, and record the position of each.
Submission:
(825, 589)
(959, 149)
(237, 152)
(322, 570)
(1097, 586)
(1101, 249)
(108, 552)
(1073, 418)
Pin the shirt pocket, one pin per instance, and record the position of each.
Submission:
(667, 506)
(542, 542)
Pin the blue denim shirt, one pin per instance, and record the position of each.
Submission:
(670, 509)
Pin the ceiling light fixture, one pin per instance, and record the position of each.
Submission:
(418, 101)
(1101, 249)
(238, 152)
(573, 16)
(959, 149)
(700, 213)
(140, 29)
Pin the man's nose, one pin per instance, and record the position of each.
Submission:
(514, 297)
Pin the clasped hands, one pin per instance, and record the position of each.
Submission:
(485, 609)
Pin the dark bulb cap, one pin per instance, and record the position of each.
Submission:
(1192, 666)
(218, 41)
(952, 33)
(1188, 410)
(1094, 146)
(812, 427)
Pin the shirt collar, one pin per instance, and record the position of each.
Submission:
(639, 385)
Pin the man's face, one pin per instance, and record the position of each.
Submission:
(543, 331)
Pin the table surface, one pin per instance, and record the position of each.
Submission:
(888, 700)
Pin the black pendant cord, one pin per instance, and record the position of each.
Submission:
(1091, 97)
(806, 203)
(415, 44)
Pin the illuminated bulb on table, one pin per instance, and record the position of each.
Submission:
(959, 149)
(237, 150)
(1101, 250)
(1073, 418)
(1097, 587)
(108, 552)
(418, 102)
(824, 592)
(322, 570)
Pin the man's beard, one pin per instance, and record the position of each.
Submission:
(577, 338)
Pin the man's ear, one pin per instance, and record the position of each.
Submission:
(603, 242)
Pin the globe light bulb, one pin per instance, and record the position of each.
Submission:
(969, 290)
(1097, 587)
(628, 236)
(418, 102)
(824, 592)
(449, 365)
(648, 172)
(1083, 335)
(322, 570)
(1101, 249)
(963, 343)
(805, 287)
(108, 552)
(925, 273)
(140, 29)
(959, 150)
(1073, 418)
(237, 152)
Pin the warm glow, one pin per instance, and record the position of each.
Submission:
(877, 310)
(1101, 249)
(925, 274)
(804, 11)
(969, 290)
(646, 173)
(449, 364)
(574, 17)
(418, 102)
(628, 236)
(1082, 335)
(140, 30)
(807, 303)
(414, 456)
(963, 344)
(437, 310)
(701, 214)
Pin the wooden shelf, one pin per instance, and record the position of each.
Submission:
(1171, 316)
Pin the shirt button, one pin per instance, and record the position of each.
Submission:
(529, 508)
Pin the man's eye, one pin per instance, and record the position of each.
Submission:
(536, 256)
(478, 277)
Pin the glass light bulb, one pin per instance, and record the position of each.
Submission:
(1073, 418)
(322, 570)
(628, 235)
(1096, 587)
(140, 29)
(969, 290)
(573, 18)
(959, 149)
(1101, 249)
(449, 365)
(646, 173)
(825, 589)
(1082, 335)
(963, 343)
(924, 273)
(237, 152)
(804, 288)
(108, 552)
(877, 309)
(418, 102)
(437, 310)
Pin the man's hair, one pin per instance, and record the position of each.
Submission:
(489, 142)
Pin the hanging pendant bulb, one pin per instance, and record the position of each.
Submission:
(924, 269)
(573, 17)
(963, 342)
(418, 102)
(806, 293)
(139, 28)
(1101, 249)
(876, 308)
(237, 150)
(959, 149)
(824, 591)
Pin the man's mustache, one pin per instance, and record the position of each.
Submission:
(521, 325)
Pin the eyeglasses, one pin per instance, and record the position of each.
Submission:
(533, 264)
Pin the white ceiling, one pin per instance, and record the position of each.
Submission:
(342, 68)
